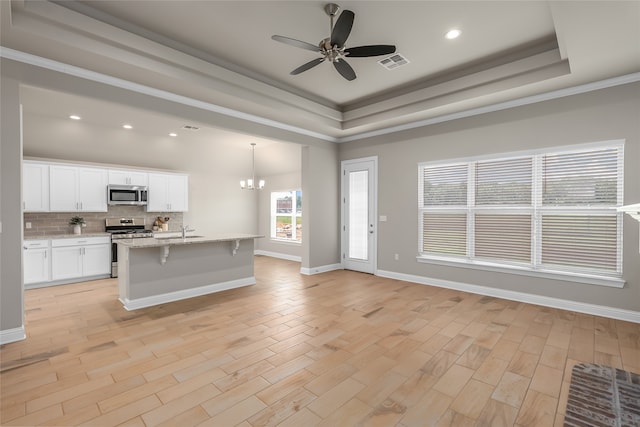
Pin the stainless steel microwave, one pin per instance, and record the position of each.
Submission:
(134, 195)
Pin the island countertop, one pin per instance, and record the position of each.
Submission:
(165, 241)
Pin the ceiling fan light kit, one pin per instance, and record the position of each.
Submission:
(333, 48)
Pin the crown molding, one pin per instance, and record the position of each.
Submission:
(49, 64)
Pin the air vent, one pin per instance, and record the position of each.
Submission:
(191, 128)
(394, 61)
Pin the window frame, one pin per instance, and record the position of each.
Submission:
(537, 209)
(295, 214)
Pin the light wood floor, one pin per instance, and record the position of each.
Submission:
(334, 349)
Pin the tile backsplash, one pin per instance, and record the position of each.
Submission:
(55, 223)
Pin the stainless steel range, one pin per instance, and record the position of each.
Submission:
(124, 228)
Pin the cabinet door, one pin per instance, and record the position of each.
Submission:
(178, 193)
(168, 193)
(126, 177)
(66, 262)
(92, 190)
(35, 187)
(36, 265)
(138, 178)
(97, 260)
(158, 195)
(63, 188)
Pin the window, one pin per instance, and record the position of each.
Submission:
(286, 215)
(547, 212)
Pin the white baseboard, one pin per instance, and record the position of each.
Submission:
(321, 269)
(277, 255)
(580, 307)
(12, 335)
(187, 293)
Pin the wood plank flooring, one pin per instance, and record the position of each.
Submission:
(335, 349)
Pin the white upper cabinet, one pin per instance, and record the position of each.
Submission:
(74, 189)
(168, 193)
(62, 187)
(35, 187)
(128, 177)
(92, 189)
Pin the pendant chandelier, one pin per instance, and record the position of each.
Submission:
(250, 184)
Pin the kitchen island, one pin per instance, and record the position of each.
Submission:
(154, 271)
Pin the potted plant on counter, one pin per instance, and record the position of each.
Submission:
(78, 223)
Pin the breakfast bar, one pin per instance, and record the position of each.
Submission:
(160, 270)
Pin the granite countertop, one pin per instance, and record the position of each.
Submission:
(167, 241)
(66, 236)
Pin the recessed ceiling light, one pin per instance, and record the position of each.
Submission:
(127, 126)
(173, 134)
(74, 117)
(453, 34)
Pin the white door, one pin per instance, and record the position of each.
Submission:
(359, 230)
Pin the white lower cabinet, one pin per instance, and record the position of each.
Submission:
(36, 261)
(96, 260)
(67, 262)
(73, 258)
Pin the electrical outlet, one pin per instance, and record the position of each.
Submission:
(396, 257)
(27, 225)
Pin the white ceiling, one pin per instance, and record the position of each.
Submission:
(220, 53)
(238, 34)
(100, 138)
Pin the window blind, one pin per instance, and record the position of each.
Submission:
(504, 182)
(552, 211)
(445, 185)
(581, 178)
(444, 234)
(503, 237)
(584, 241)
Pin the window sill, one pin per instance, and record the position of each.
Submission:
(285, 241)
(589, 279)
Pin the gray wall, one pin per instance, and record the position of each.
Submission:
(281, 182)
(602, 115)
(11, 302)
(320, 189)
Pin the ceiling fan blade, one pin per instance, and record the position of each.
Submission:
(373, 50)
(296, 43)
(341, 30)
(345, 69)
(305, 67)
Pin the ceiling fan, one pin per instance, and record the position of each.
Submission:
(333, 49)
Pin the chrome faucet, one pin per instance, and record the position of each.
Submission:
(185, 228)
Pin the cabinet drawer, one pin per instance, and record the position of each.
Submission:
(80, 241)
(35, 244)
